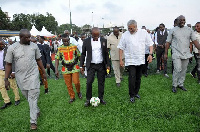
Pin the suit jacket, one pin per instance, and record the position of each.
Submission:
(4, 63)
(87, 48)
(45, 58)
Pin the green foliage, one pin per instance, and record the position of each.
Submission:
(21, 21)
(48, 21)
(4, 21)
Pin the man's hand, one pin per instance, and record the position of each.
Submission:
(7, 84)
(121, 63)
(165, 57)
(149, 58)
(12, 75)
(56, 74)
(45, 76)
(48, 66)
(82, 71)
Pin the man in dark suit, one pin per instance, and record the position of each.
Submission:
(97, 60)
(45, 61)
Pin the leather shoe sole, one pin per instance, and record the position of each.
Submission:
(87, 103)
(6, 105)
(80, 95)
(174, 89)
(17, 102)
(137, 96)
(132, 100)
(102, 102)
(33, 126)
(71, 100)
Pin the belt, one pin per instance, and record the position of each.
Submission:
(97, 63)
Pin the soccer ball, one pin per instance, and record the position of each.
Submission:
(94, 101)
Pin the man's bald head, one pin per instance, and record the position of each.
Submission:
(95, 33)
(116, 31)
(24, 36)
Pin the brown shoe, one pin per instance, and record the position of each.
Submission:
(33, 126)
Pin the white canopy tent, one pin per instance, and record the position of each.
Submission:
(45, 33)
(34, 31)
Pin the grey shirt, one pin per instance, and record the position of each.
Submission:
(180, 42)
(26, 68)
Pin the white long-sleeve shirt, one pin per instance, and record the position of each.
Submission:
(133, 46)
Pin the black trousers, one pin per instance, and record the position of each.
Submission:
(145, 66)
(51, 67)
(159, 53)
(195, 70)
(101, 72)
(134, 79)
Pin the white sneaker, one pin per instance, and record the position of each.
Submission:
(157, 71)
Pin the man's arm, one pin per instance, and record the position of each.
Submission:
(8, 70)
(196, 43)
(166, 50)
(120, 57)
(56, 68)
(39, 63)
(149, 59)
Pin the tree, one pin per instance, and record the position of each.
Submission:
(49, 22)
(63, 27)
(21, 21)
(4, 21)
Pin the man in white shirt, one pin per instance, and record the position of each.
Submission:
(132, 44)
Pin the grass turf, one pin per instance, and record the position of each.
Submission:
(158, 109)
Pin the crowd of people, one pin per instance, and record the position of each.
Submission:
(24, 64)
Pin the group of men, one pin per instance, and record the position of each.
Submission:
(24, 58)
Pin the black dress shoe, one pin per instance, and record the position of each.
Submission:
(71, 100)
(87, 103)
(137, 96)
(132, 100)
(174, 89)
(6, 105)
(17, 102)
(181, 87)
(102, 102)
(80, 95)
(118, 84)
(46, 91)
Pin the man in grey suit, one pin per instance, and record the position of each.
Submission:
(26, 56)
(179, 38)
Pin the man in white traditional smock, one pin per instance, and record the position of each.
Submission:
(179, 38)
(133, 44)
(26, 56)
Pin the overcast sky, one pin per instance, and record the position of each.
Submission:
(149, 13)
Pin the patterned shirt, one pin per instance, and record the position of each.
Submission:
(68, 55)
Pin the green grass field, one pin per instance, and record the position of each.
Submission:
(158, 109)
